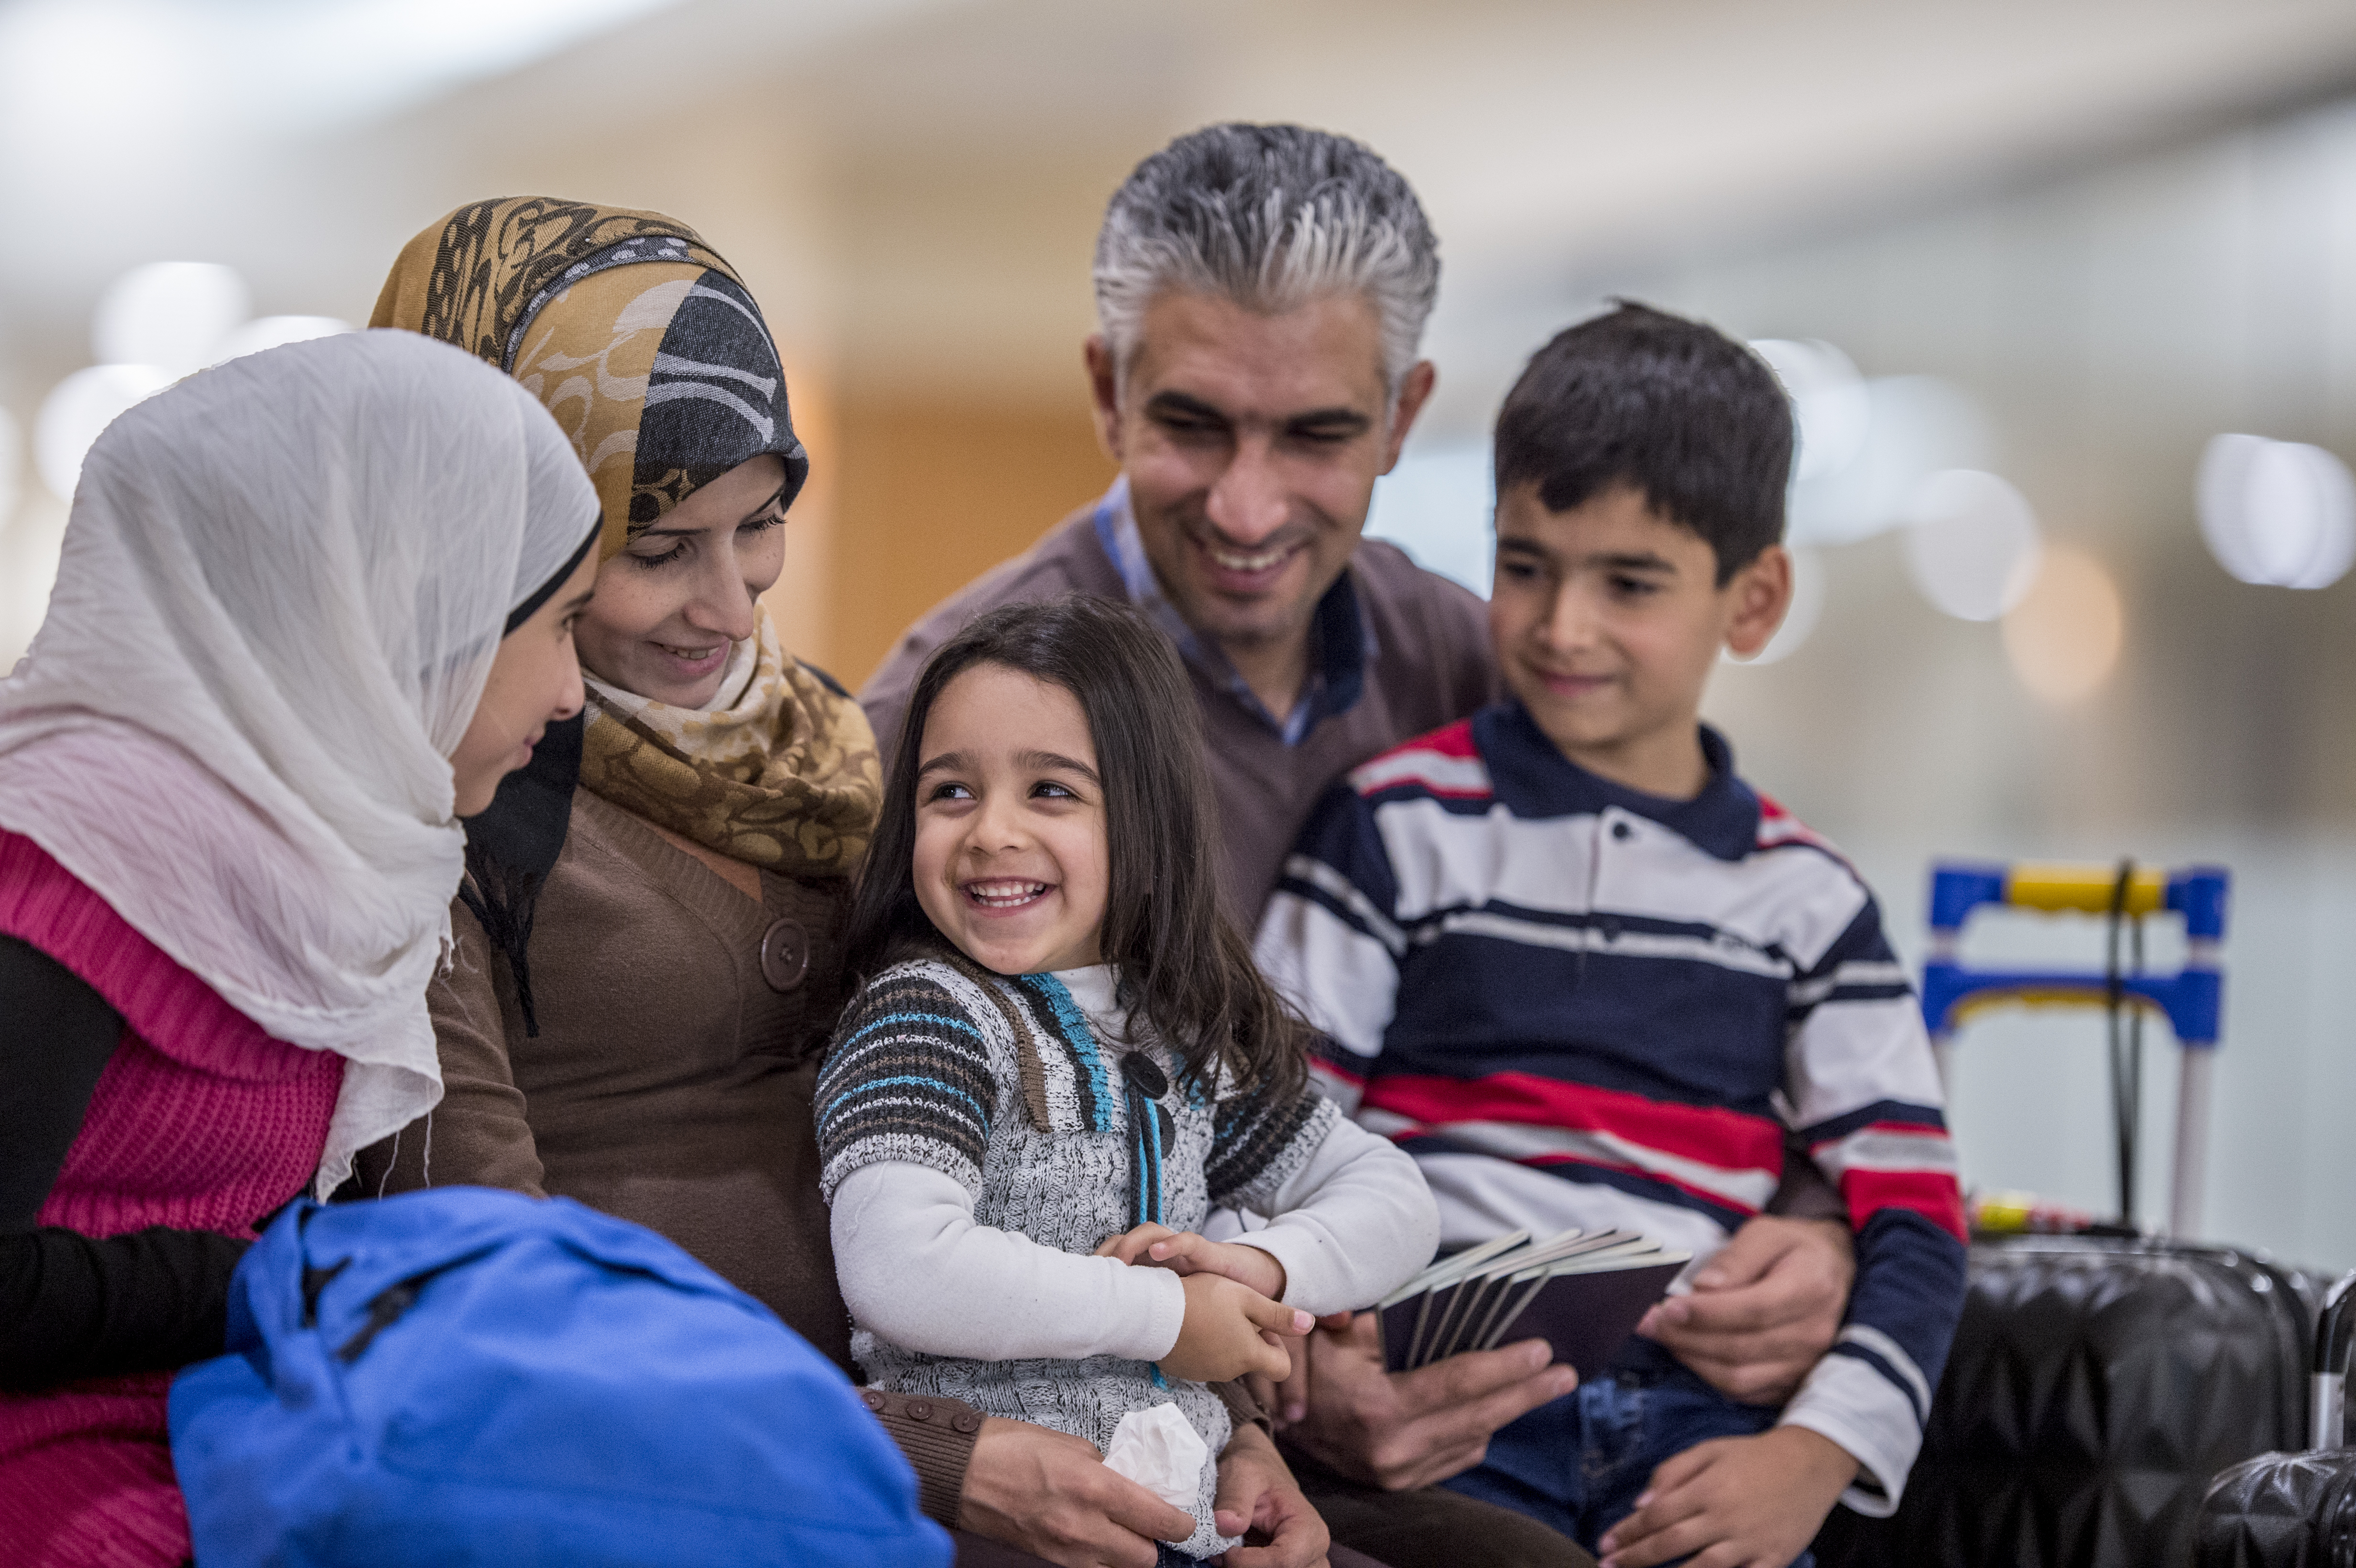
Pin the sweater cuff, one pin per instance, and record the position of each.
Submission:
(938, 1436)
(1851, 1403)
(1148, 1308)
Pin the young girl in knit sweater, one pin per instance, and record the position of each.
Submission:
(1061, 1060)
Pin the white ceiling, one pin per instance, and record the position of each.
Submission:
(1548, 139)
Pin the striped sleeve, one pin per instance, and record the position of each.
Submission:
(907, 1080)
(1257, 1145)
(1329, 942)
(1866, 1093)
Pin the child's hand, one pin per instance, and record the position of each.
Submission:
(1735, 1502)
(1230, 1329)
(1184, 1252)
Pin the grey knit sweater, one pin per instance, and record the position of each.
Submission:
(1000, 1084)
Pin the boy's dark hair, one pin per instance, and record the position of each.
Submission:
(1183, 965)
(1670, 407)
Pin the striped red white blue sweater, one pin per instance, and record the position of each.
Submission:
(1580, 1005)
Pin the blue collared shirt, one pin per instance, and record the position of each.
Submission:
(1340, 642)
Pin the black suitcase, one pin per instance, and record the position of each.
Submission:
(2097, 1382)
(2095, 1385)
(2294, 1510)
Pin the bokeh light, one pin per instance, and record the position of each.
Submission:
(2064, 638)
(155, 325)
(1830, 404)
(1972, 543)
(30, 546)
(273, 331)
(1915, 427)
(12, 466)
(77, 410)
(171, 314)
(2277, 512)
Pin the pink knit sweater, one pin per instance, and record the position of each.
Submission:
(200, 1122)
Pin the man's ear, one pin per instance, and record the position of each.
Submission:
(1415, 390)
(1760, 597)
(1104, 393)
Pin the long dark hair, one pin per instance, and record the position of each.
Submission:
(1182, 963)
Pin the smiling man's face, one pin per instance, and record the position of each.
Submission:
(1252, 443)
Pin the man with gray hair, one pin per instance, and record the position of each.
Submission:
(1262, 292)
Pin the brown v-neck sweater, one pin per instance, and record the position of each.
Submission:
(669, 1083)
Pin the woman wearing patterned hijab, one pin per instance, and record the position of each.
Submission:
(655, 362)
(648, 957)
(313, 604)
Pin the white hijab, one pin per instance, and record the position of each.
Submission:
(283, 585)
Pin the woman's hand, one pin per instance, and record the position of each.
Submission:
(1230, 1329)
(1184, 1252)
(1048, 1493)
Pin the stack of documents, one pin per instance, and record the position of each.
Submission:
(1582, 1292)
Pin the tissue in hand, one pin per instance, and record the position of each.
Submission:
(1161, 1451)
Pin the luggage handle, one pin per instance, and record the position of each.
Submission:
(2191, 1000)
(2326, 1395)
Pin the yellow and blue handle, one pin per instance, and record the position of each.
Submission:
(2191, 1000)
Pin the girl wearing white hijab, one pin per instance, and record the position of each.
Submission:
(314, 604)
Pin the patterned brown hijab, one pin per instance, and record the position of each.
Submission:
(633, 332)
(644, 343)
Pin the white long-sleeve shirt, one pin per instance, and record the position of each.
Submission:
(915, 1267)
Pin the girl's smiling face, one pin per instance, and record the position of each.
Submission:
(1010, 860)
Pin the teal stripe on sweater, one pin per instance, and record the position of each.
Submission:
(835, 1105)
(945, 1022)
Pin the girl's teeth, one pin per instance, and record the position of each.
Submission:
(1005, 892)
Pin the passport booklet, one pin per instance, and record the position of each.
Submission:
(1583, 1292)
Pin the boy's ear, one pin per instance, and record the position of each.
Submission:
(1757, 598)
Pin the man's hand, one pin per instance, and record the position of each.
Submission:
(1184, 1252)
(1287, 1400)
(1734, 1503)
(1048, 1493)
(1230, 1329)
(1403, 1430)
(1764, 1310)
(1256, 1492)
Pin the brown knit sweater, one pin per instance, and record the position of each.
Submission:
(669, 1083)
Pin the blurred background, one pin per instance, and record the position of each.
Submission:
(2065, 291)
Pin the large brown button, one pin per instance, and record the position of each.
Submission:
(921, 1409)
(785, 954)
(967, 1421)
(873, 1400)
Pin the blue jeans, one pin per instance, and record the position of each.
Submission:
(1579, 1463)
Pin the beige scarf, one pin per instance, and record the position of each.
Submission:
(778, 769)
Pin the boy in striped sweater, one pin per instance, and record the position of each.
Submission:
(1588, 977)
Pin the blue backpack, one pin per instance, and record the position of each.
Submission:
(464, 1376)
